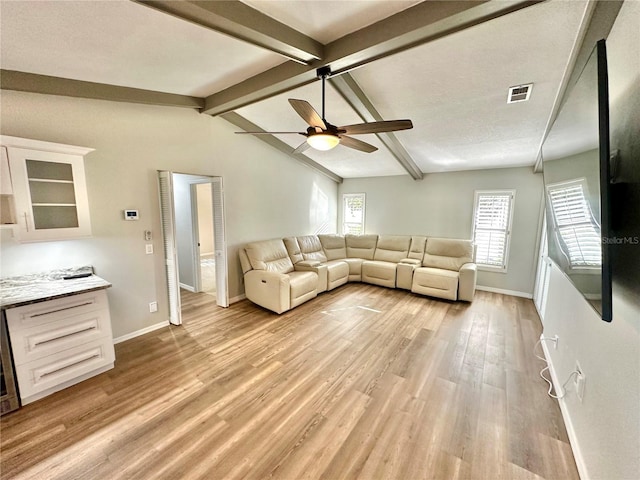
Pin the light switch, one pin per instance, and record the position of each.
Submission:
(149, 248)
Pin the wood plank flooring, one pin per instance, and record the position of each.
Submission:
(362, 382)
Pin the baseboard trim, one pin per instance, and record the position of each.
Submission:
(142, 331)
(237, 299)
(571, 433)
(514, 293)
(187, 287)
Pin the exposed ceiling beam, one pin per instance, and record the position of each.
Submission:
(31, 82)
(422, 23)
(356, 98)
(244, 124)
(240, 21)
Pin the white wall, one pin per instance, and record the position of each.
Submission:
(605, 426)
(266, 193)
(441, 205)
(205, 218)
(184, 229)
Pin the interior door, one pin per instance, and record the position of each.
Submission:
(197, 268)
(220, 242)
(167, 216)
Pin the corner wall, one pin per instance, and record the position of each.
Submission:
(266, 193)
(441, 205)
(604, 427)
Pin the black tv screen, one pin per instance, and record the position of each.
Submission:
(576, 172)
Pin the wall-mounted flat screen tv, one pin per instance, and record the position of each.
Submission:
(576, 178)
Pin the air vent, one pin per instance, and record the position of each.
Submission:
(519, 93)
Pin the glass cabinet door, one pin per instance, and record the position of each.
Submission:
(53, 197)
(50, 194)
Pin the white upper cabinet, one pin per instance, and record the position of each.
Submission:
(49, 189)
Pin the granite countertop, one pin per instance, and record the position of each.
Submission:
(39, 287)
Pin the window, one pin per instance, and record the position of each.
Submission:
(578, 232)
(353, 213)
(492, 228)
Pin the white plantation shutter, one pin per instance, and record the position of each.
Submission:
(220, 242)
(492, 227)
(353, 213)
(575, 224)
(167, 218)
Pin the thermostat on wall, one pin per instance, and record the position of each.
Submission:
(131, 215)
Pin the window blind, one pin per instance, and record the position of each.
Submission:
(491, 228)
(574, 222)
(353, 213)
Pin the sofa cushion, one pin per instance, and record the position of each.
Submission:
(392, 248)
(337, 273)
(361, 246)
(435, 282)
(293, 249)
(303, 287)
(447, 253)
(270, 255)
(418, 244)
(311, 248)
(379, 273)
(334, 246)
(355, 269)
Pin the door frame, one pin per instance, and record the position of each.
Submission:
(167, 214)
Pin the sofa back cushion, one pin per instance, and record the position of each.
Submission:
(334, 246)
(447, 253)
(291, 243)
(244, 260)
(270, 255)
(311, 248)
(392, 248)
(361, 246)
(418, 244)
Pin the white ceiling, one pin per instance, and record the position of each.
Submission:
(454, 89)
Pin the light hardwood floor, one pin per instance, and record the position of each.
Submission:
(361, 382)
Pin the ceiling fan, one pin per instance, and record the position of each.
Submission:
(322, 135)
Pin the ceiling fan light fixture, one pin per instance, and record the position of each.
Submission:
(323, 141)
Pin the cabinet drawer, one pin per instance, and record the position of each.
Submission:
(50, 371)
(42, 340)
(27, 316)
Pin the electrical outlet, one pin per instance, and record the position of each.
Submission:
(555, 342)
(579, 382)
(153, 307)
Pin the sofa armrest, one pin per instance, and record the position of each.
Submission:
(411, 261)
(467, 281)
(270, 290)
(307, 263)
(319, 268)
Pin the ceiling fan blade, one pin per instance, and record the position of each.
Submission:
(357, 144)
(307, 112)
(377, 127)
(302, 147)
(271, 133)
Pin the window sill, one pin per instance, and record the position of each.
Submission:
(489, 268)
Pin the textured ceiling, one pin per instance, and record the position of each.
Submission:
(454, 88)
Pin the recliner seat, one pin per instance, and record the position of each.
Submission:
(283, 273)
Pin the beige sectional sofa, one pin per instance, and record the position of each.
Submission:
(280, 274)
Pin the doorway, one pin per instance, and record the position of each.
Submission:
(192, 214)
(205, 257)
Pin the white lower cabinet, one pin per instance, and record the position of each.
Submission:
(60, 342)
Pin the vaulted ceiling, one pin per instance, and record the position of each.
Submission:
(446, 65)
